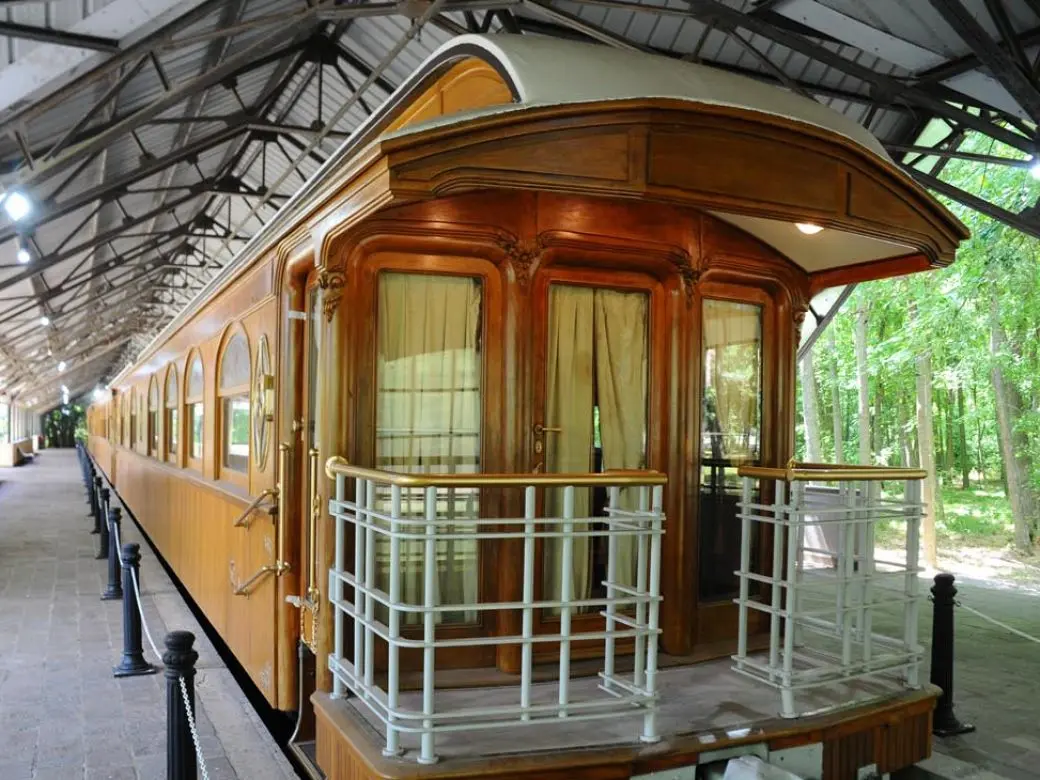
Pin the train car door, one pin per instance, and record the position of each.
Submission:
(302, 503)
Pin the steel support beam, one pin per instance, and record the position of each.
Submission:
(998, 60)
(62, 38)
(1009, 218)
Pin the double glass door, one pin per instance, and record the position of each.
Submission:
(592, 415)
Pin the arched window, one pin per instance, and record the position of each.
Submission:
(233, 390)
(153, 417)
(133, 420)
(172, 404)
(193, 401)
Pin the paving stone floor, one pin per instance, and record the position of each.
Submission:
(62, 714)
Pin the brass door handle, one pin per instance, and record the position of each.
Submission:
(315, 504)
(280, 564)
(540, 430)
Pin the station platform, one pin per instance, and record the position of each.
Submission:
(62, 714)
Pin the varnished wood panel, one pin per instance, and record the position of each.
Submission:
(467, 85)
(691, 160)
(601, 156)
(191, 524)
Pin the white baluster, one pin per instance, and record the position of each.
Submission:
(526, 651)
(794, 522)
(745, 568)
(360, 501)
(426, 754)
(370, 586)
(612, 545)
(393, 651)
(337, 590)
(639, 661)
(650, 717)
(566, 595)
(776, 592)
(912, 497)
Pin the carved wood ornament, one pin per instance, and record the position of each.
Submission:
(331, 282)
(522, 256)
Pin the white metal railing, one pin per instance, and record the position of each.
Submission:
(376, 513)
(821, 584)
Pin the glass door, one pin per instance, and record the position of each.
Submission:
(733, 427)
(593, 416)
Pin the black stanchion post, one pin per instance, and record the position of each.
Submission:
(91, 493)
(944, 722)
(132, 663)
(103, 510)
(180, 658)
(98, 483)
(115, 588)
(102, 552)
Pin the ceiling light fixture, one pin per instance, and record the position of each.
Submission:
(808, 228)
(17, 206)
(23, 253)
(61, 367)
(45, 320)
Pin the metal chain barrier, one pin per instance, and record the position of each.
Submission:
(996, 622)
(144, 623)
(158, 654)
(191, 727)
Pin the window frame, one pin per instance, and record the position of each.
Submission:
(171, 407)
(224, 471)
(154, 403)
(388, 255)
(577, 270)
(715, 618)
(188, 408)
(132, 438)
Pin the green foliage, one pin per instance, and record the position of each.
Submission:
(980, 516)
(949, 313)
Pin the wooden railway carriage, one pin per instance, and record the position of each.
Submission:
(539, 258)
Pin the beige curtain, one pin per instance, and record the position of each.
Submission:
(428, 417)
(621, 386)
(598, 342)
(568, 406)
(732, 361)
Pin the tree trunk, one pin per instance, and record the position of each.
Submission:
(940, 442)
(978, 430)
(862, 380)
(951, 453)
(810, 410)
(962, 440)
(906, 456)
(876, 422)
(926, 447)
(1014, 444)
(838, 422)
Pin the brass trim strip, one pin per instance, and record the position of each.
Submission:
(338, 466)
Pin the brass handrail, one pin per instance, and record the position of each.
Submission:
(245, 588)
(267, 492)
(830, 472)
(338, 466)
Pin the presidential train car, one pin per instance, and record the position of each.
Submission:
(465, 421)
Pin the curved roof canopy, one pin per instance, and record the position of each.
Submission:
(533, 68)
